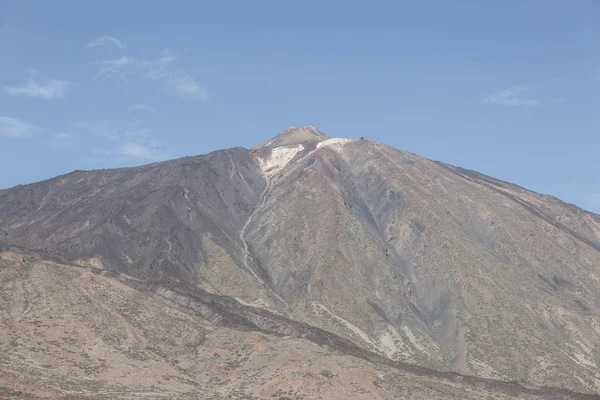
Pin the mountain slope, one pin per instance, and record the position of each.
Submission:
(413, 259)
(71, 332)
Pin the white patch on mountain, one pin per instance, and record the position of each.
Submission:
(278, 159)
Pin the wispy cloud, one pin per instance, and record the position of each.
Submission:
(13, 127)
(513, 96)
(114, 66)
(48, 89)
(128, 142)
(105, 41)
(142, 107)
(60, 140)
(162, 71)
(143, 151)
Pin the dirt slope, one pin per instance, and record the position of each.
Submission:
(69, 332)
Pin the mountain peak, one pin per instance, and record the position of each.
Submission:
(292, 136)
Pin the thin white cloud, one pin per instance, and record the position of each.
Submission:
(48, 89)
(163, 72)
(128, 142)
(142, 107)
(557, 100)
(113, 131)
(60, 140)
(513, 96)
(142, 151)
(105, 41)
(125, 153)
(167, 59)
(13, 127)
(116, 65)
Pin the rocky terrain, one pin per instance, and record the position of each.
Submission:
(71, 332)
(357, 254)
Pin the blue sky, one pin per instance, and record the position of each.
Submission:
(508, 88)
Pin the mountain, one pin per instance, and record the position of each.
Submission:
(349, 243)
